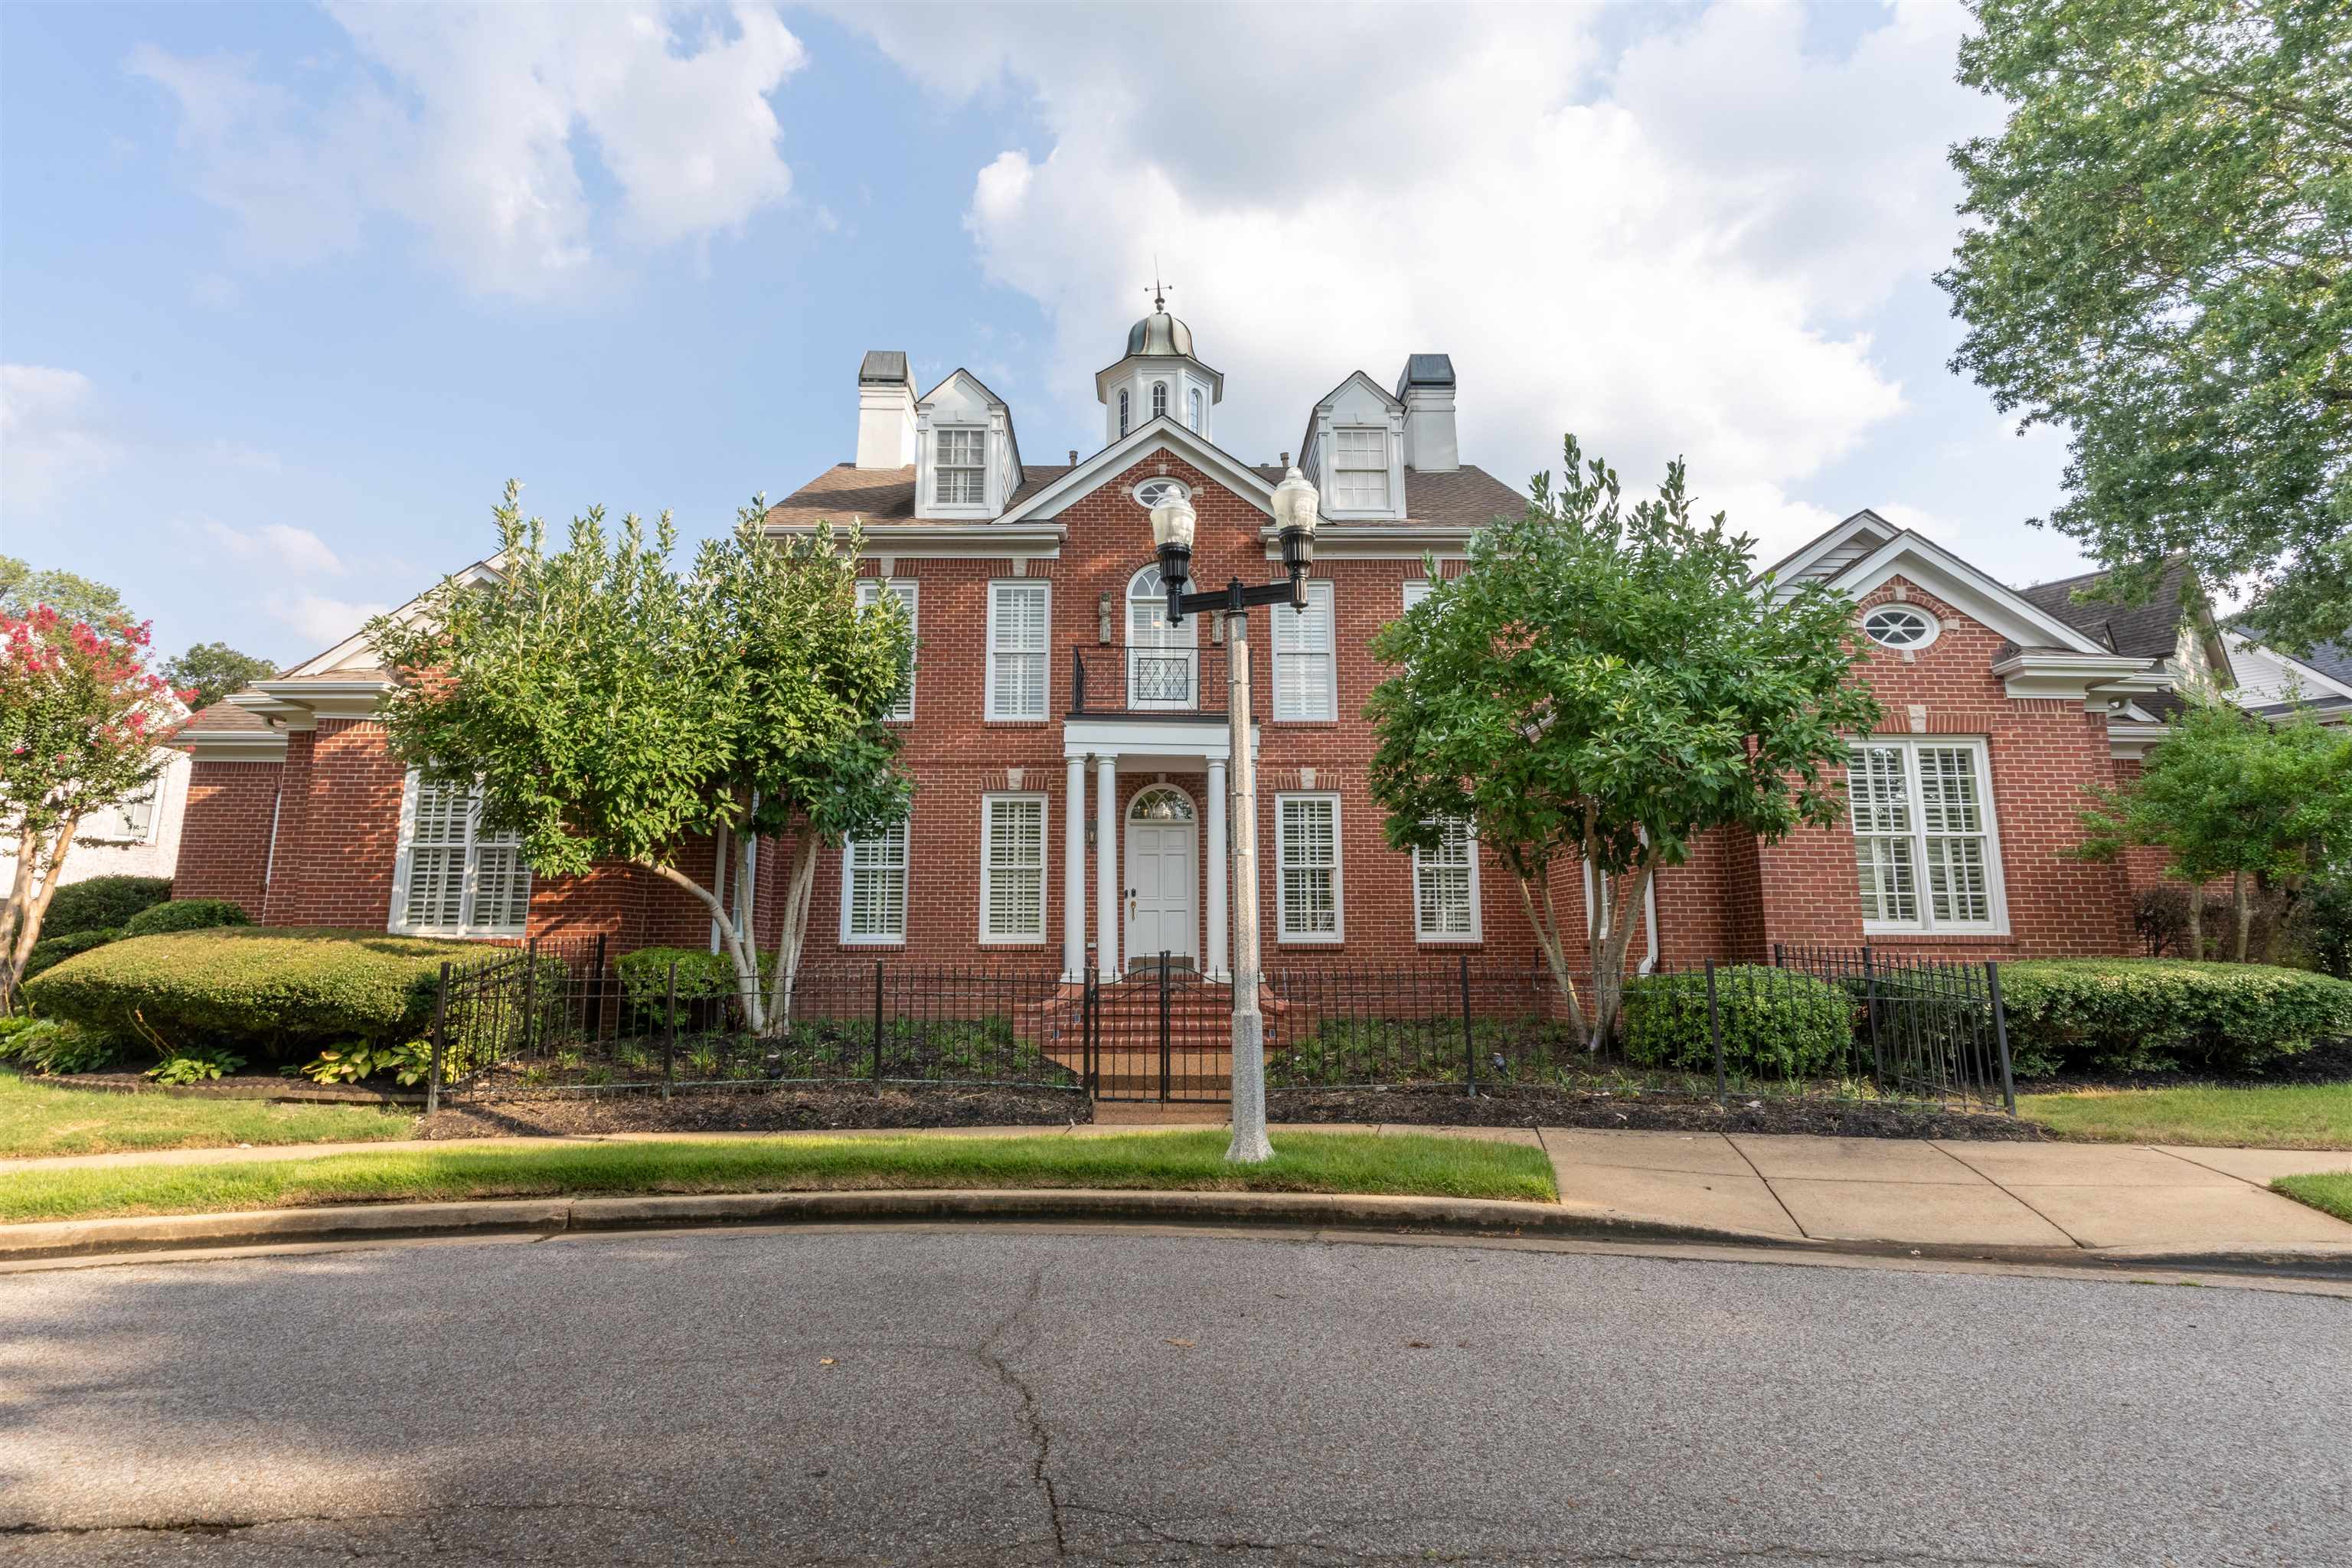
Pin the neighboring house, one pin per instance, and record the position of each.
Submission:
(2275, 685)
(1070, 748)
(135, 838)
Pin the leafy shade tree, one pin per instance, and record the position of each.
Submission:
(1602, 686)
(2228, 795)
(214, 669)
(75, 597)
(79, 715)
(2161, 262)
(613, 708)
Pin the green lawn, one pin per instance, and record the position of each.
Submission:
(1303, 1163)
(36, 1119)
(2331, 1190)
(2290, 1116)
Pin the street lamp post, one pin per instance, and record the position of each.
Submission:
(1171, 536)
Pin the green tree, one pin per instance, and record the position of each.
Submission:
(2161, 263)
(77, 599)
(79, 713)
(1602, 686)
(2228, 795)
(614, 708)
(214, 669)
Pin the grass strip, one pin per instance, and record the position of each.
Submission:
(1194, 1161)
(2329, 1192)
(2285, 1116)
(41, 1118)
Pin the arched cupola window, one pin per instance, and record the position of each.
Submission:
(1158, 399)
(1123, 411)
(1192, 414)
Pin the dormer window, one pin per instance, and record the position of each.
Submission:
(959, 476)
(1123, 411)
(1361, 471)
(1159, 400)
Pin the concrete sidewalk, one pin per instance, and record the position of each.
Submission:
(1943, 1195)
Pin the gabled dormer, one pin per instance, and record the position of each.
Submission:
(967, 463)
(1354, 452)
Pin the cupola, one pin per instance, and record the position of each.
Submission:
(1157, 377)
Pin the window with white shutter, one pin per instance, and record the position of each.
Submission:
(1359, 469)
(1304, 680)
(1445, 888)
(959, 468)
(1416, 589)
(869, 593)
(1019, 614)
(1306, 860)
(1926, 855)
(1013, 867)
(453, 877)
(874, 888)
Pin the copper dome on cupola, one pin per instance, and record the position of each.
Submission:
(1160, 333)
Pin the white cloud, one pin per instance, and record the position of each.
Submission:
(238, 454)
(323, 622)
(50, 436)
(287, 549)
(472, 123)
(1667, 251)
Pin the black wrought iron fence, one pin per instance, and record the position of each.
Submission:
(539, 1021)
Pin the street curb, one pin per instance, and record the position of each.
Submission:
(63, 1240)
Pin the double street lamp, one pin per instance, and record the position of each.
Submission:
(1172, 522)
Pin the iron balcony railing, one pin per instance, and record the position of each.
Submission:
(1169, 682)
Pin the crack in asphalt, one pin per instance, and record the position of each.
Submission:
(1040, 1437)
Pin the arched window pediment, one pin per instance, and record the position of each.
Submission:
(1161, 803)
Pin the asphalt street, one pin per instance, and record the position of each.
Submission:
(1016, 1398)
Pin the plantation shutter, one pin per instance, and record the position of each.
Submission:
(1309, 853)
(1441, 884)
(1017, 629)
(877, 886)
(436, 855)
(1952, 814)
(869, 592)
(1016, 848)
(1880, 795)
(1304, 687)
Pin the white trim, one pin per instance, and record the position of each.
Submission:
(988, 800)
(1934, 624)
(1382, 541)
(470, 849)
(940, 541)
(1477, 918)
(1922, 895)
(1964, 587)
(906, 868)
(335, 658)
(1190, 825)
(869, 592)
(1137, 488)
(1282, 931)
(1234, 475)
(991, 708)
(1792, 566)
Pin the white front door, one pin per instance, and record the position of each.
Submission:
(1160, 915)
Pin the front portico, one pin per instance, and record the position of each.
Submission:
(1173, 806)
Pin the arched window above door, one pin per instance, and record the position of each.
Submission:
(1161, 803)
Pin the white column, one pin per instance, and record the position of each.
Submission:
(1219, 871)
(1074, 872)
(1110, 893)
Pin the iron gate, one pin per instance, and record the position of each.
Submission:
(1161, 1033)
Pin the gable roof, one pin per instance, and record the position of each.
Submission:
(2151, 630)
(846, 492)
(1866, 549)
(1307, 436)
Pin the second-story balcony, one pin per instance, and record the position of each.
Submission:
(1147, 682)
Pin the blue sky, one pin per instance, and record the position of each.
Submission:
(286, 292)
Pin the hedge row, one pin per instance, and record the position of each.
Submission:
(101, 903)
(276, 991)
(2155, 1014)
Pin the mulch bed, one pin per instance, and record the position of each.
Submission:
(803, 1109)
(1527, 1105)
(2328, 1062)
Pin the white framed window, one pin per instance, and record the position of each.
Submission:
(450, 876)
(1019, 618)
(1155, 490)
(130, 820)
(1306, 682)
(1158, 399)
(1123, 411)
(1193, 409)
(1445, 888)
(1359, 478)
(959, 467)
(1306, 868)
(1927, 853)
(1900, 626)
(874, 888)
(1013, 867)
(869, 593)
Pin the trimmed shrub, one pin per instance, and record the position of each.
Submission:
(52, 951)
(1777, 1023)
(2155, 1014)
(705, 986)
(186, 914)
(271, 990)
(102, 903)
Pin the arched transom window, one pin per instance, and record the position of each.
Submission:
(1161, 803)
(1162, 662)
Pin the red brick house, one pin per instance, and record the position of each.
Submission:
(1071, 752)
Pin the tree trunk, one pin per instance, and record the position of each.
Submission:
(2241, 906)
(27, 908)
(739, 950)
(2196, 921)
(1612, 935)
(793, 935)
(1546, 925)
